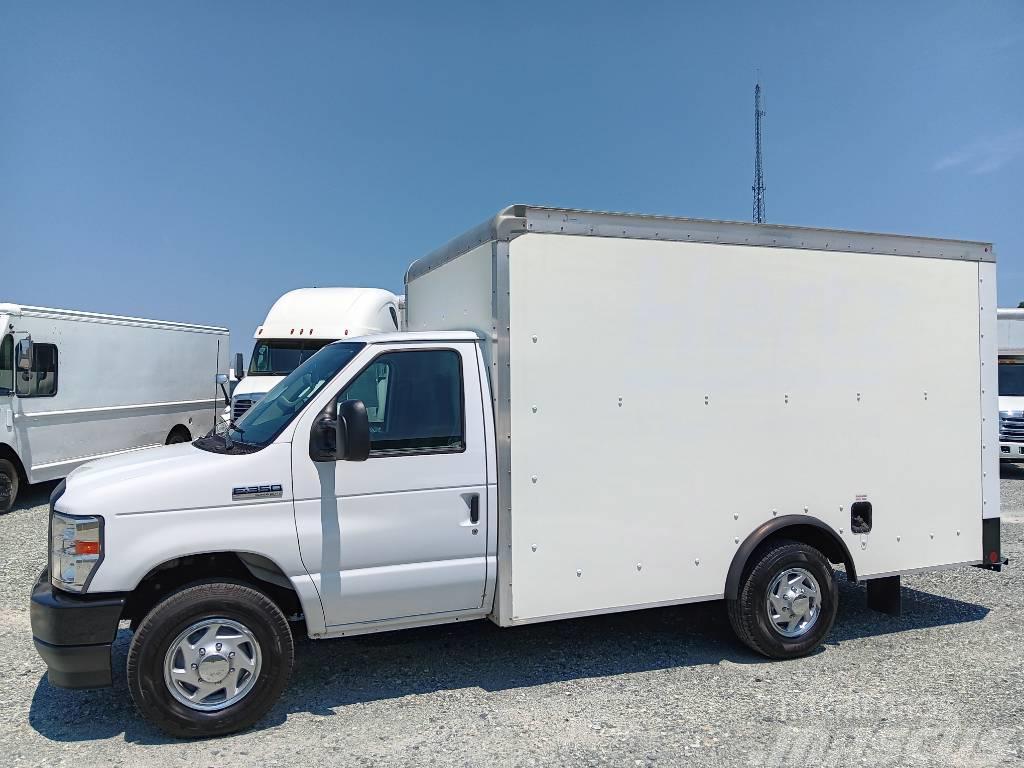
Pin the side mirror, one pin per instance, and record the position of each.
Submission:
(340, 433)
(353, 431)
(222, 378)
(239, 366)
(23, 354)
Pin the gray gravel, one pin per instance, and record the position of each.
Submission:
(941, 685)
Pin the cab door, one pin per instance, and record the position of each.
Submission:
(402, 533)
(7, 435)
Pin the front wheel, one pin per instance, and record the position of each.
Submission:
(8, 485)
(210, 660)
(787, 602)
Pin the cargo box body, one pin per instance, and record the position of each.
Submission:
(664, 387)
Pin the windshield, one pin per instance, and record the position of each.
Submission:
(1011, 378)
(262, 423)
(279, 357)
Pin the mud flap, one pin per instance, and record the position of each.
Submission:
(885, 595)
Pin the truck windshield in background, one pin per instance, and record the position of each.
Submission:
(262, 423)
(1011, 378)
(279, 357)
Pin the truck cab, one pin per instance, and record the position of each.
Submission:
(391, 428)
(303, 321)
(1011, 384)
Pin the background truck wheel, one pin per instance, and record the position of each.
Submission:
(787, 601)
(8, 485)
(209, 660)
(178, 435)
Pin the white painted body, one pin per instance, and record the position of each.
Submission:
(603, 442)
(1011, 396)
(122, 384)
(318, 313)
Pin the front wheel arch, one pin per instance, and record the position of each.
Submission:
(803, 528)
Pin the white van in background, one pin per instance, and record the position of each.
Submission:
(1011, 384)
(77, 386)
(300, 323)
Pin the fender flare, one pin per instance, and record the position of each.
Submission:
(839, 551)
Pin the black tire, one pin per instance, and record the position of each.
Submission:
(9, 481)
(749, 615)
(178, 435)
(162, 626)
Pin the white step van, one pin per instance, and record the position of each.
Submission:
(78, 386)
(1011, 385)
(555, 436)
(300, 323)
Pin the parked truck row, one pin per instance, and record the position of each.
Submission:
(554, 435)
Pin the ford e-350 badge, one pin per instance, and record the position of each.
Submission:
(250, 492)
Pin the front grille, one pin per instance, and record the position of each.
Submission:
(1011, 427)
(240, 406)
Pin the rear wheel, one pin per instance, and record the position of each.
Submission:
(9, 481)
(787, 601)
(210, 660)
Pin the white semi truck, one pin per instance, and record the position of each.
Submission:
(300, 323)
(555, 437)
(77, 386)
(1011, 385)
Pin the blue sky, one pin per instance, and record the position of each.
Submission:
(192, 161)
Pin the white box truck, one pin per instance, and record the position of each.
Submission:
(77, 386)
(300, 323)
(555, 437)
(1011, 385)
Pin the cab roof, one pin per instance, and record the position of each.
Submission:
(415, 337)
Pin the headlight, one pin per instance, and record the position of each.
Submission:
(76, 548)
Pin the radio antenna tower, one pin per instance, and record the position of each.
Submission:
(758, 170)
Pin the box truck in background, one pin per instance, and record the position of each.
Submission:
(1011, 384)
(300, 323)
(77, 386)
(555, 436)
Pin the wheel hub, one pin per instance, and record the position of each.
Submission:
(793, 602)
(212, 664)
(213, 669)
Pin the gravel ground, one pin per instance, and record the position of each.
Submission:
(939, 686)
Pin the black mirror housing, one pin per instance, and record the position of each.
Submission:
(353, 431)
(239, 367)
(341, 433)
(323, 443)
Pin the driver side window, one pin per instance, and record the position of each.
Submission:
(414, 402)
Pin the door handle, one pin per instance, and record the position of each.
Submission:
(474, 508)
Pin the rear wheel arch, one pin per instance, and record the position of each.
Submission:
(801, 528)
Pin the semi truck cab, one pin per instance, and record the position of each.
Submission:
(301, 322)
(1011, 384)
